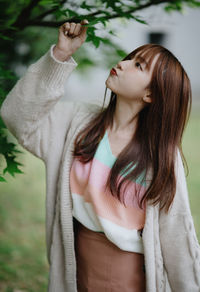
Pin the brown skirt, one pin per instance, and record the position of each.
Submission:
(103, 267)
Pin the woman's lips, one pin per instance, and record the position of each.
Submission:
(113, 71)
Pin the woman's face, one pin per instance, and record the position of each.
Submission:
(132, 78)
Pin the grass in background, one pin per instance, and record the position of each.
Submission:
(23, 263)
(191, 147)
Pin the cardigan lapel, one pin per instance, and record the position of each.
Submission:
(148, 243)
(65, 201)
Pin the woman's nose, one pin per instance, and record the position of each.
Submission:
(119, 65)
(122, 64)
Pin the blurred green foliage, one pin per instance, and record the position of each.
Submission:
(23, 261)
(28, 27)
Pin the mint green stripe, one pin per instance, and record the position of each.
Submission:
(105, 156)
(139, 179)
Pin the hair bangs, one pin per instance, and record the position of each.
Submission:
(146, 52)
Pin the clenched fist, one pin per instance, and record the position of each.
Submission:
(71, 37)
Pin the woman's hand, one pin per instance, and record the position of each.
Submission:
(71, 37)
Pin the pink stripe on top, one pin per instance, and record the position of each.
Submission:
(91, 187)
(98, 210)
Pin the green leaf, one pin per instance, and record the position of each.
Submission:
(7, 148)
(2, 124)
(106, 41)
(2, 179)
(12, 166)
(6, 38)
(193, 3)
(71, 13)
(175, 5)
(112, 4)
(96, 42)
(59, 13)
(121, 53)
(138, 19)
(112, 32)
(105, 12)
(84, 5)
(46, 2)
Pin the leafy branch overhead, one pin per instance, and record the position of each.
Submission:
(19, 18)
(52, 13)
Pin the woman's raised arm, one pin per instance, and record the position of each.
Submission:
(31, 110)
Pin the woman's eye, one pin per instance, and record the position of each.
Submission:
(137, 64)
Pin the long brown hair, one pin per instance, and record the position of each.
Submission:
(159, 130)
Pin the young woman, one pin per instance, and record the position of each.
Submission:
(117, 211)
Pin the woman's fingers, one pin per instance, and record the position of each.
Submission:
(83, 28)
(74, 29)
(65, 28)
(84, 21)
(77, 29)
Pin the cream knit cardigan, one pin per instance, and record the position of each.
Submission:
(46, 126)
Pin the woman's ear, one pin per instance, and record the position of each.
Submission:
(147, 97)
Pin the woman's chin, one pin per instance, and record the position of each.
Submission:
(108, 84)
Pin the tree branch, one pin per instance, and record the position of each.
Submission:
(90, 15)
(49, 11)
(25, 14)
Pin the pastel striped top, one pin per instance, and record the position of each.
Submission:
(98, 210)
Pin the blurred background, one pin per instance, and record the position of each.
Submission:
(23, 263)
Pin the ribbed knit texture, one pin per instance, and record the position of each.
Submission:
(36, 115)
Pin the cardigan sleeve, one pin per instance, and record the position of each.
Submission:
(31, 110)
(179, 243)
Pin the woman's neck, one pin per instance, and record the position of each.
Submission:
(124, 113)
